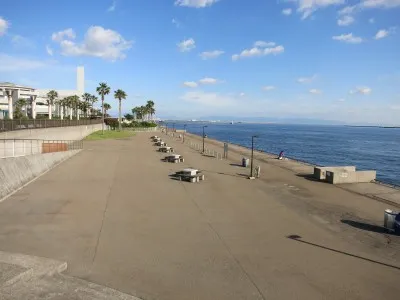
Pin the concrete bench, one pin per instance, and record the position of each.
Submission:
(174, 158)
(191, 175)
(320, 172)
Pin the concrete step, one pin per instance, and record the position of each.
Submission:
(26, 277)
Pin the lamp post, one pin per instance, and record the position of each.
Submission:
(203, 136)
(173, 127)
(184, 132)
(166, 128)
(252, 155)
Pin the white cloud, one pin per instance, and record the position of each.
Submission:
(209, 99)
(348, 10)
(306, 79)
(259, 50)
(242, 94)
(4, 25)
(268, 88)
(345, 20)
(380, 3)
(186, 45)
(371, 20)
(10, 63)
(98, 42)
(315, 92)
(113, 6)
(195, 3)
(381, 34)
(176, 23)
(341, 100)
(287, 11)
(49, 50)
(211, 54)
(308, 7)
(363, 90)
(208, 80)
(19, 41)
(61, 35)
(190, 84)
(348, 38)
(263, 44)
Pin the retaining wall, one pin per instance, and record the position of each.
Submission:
(55, 133)
(17, 171)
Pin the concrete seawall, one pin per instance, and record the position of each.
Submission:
(17, 171)
(55, 133)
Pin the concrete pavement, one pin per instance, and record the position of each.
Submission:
(113, 214)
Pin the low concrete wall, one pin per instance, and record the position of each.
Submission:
(320, 172)
(17, 171)
(350, 177)
(55, 133)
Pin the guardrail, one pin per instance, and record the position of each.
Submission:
(23, 147)
(11, 125)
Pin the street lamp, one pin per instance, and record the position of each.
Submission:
(173, 126)
(166, 128)
(203, 136)
(184, 132)
(252, 155)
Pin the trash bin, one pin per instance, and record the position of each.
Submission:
(390, 219)
(245, 162)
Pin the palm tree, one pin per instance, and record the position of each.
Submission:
(61, 103)
(106, 107)
(84, 106)
(150, 108)
(93, 100)
(51, 96)
(119, 94)
(103, 89)
(19, 105)
(74, 102)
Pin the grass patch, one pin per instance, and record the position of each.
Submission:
(109, 134)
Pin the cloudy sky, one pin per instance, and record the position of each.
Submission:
(326, 59)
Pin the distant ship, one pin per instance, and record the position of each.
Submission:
(231, 122)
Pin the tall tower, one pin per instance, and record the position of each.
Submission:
(80, 79)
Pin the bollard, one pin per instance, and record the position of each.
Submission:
(258, 171)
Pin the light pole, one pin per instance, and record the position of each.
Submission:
(252, 155)
(184, 132)
(166, 128)
(173, 127)
(203, 136)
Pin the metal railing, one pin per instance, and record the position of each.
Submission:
(10, 125)
(141, 129)
(23, 147)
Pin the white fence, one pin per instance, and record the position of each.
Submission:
(23, 147)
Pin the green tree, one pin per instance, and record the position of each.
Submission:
(103, 89)
(106, 107)
(129, 117)
(51, 97)
(84, 106)
(19, 105)
(119, 94)
(150, 108)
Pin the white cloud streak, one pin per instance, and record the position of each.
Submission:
(186, 45)
(287, 11)
(348, 38)
(308, 7)
(190, 84)
(306, 79)
(363, 90)
(113, 6)
(4, 25)
(315, 92)
(260, 48)
(345, 20)
(195, 3)
(64, 34)
(10, 63)
(49, 50)
(268, 88)
(211, 54)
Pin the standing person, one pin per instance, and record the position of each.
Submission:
(281, 154)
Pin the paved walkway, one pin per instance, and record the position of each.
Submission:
(113, 214)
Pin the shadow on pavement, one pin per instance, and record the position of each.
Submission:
(308, 177)
(297, 238)
(365, 226)
(236, 165)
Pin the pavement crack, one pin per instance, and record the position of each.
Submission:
(105, 210)
(224, 244)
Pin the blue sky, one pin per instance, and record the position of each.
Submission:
(325, 59)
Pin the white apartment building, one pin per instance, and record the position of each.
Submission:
(36, 98)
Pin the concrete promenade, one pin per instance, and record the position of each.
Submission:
(113, 214)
